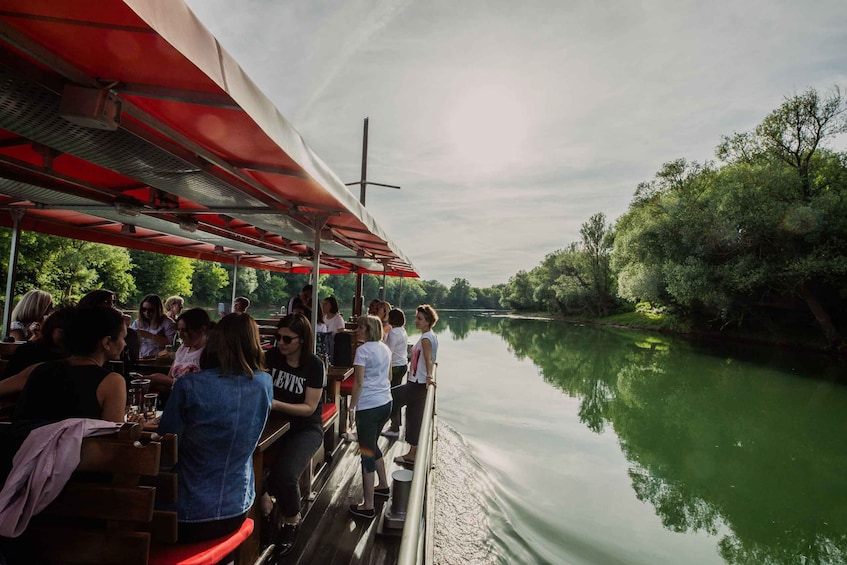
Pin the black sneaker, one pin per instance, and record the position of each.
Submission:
(270, 527)
(359, 513)
(384, 492)
(287, 539)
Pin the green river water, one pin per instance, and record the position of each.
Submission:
(562, 443)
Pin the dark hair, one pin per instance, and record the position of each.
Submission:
(244, 301)
(158, 310)
(299, 324)
(88, 326)
(234, 346)
(99, 297)
(333, 304)
(429, 313)
(195, 319)
(307, 287)
(58, 320)
(396, 318)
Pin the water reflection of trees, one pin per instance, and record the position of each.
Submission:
(715, 444)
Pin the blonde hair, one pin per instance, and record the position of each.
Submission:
(32, 307)
(373, 327)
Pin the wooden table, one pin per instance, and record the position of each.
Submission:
(160, 364)
(275, 428)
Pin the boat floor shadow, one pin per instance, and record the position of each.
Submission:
(329, 534)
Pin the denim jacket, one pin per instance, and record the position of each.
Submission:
(218, 421)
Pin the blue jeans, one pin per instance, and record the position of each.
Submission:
(295, 451)
(368, 425)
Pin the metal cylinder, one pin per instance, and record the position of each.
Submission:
(401, 487)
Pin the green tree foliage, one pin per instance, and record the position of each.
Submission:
(757, 242)
(164, 275)
(68, 268)
(271, 290)
(435, 293)
(207, 282)
(461, 294)
(576, 280)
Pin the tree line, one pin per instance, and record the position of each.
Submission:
(69, 269)
(755, 240)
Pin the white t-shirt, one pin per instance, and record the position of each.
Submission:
(186, 360)
(417, 372)
(334, 324)
(396, 342)
(375, 357)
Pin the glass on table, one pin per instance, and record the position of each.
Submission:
(151, 405)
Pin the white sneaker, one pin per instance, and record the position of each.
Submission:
(350, 436)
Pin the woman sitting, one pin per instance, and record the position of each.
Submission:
(173, 307)
(50, 345)
(27, 316)
(299, 380)
(219, 414)
(192, 326)
(79, 386)
(155, 330)
(370, 406)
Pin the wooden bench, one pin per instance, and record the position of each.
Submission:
(106, 513)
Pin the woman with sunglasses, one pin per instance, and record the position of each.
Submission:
(298, 380)
(155, 330)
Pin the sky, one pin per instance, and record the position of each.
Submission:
(508, 124)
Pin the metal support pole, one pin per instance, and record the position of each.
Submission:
(320, 222)
(358, 300)
(15, 240)
(384, 274)
(234, 284)
(400, 294)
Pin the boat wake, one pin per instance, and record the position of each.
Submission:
(470, 524)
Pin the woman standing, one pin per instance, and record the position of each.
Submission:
(370, 406)
(218, 414)
(29, 313)
(413, 393)
(396, 341)
(298, 383)
(332, 318)
(155, 330)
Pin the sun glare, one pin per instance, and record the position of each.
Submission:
(486, 129)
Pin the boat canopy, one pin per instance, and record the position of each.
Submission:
(125, 122)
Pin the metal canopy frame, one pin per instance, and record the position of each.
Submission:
(202, 164)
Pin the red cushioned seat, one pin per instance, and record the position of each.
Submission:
(347, 385)
(329, 410)
(200, 553)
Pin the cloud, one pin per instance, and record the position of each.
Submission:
(606, 93)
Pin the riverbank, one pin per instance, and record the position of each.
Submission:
(662, 323)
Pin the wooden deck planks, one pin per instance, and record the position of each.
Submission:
(329, 534)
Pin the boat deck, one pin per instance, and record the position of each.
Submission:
(329, 534)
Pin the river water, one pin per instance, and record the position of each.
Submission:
(561, 443)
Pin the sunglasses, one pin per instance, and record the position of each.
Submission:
(286, 339)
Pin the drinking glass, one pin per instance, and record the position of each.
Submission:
(151, 401)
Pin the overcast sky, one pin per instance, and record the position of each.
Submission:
(509, 123)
